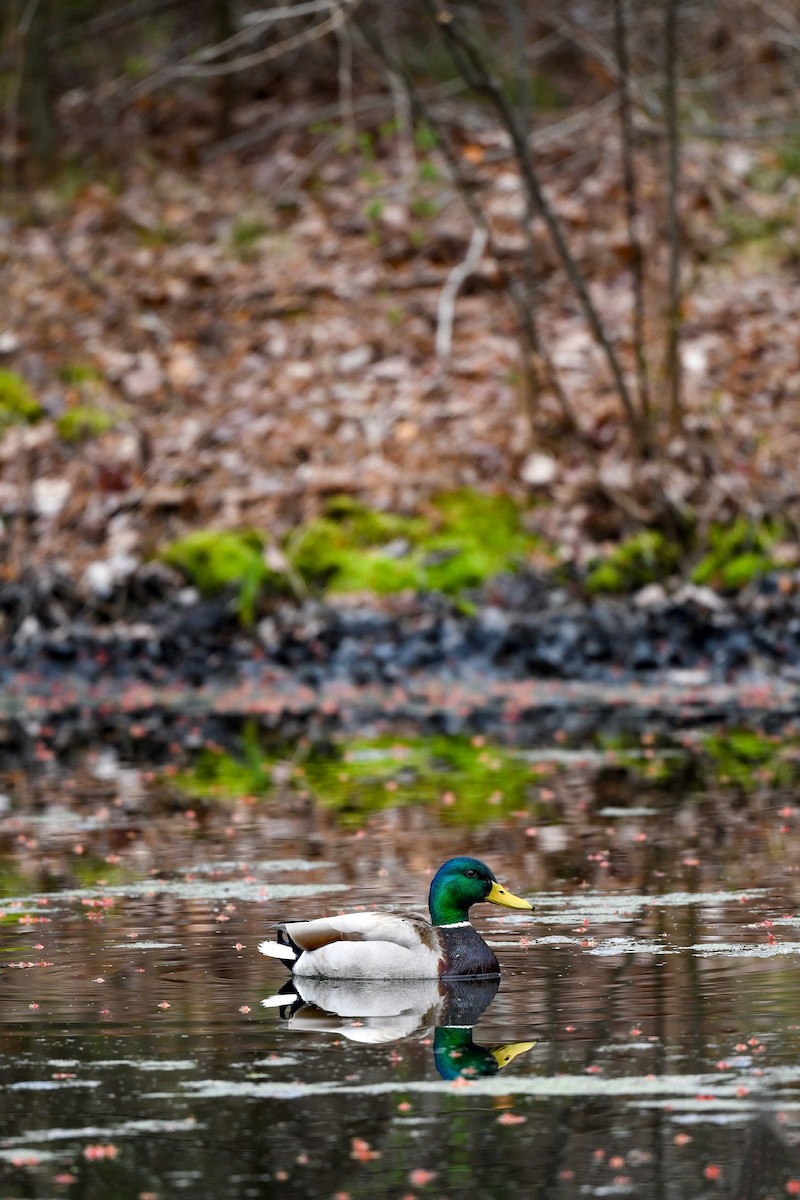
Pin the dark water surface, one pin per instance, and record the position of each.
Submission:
(658, 978)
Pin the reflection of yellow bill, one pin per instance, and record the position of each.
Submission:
(503, 1055)
(499, 895)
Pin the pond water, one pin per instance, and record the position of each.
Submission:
(644, 1039)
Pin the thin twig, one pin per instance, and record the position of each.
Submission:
(673, 361)
(525, 103)
(196, 68)
(632, 209)
(449, 294)
(345, 72)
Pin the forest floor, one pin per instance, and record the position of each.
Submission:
(261, 330)
(258, 330)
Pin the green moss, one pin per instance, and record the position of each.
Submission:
(83, 422)
(644, 558)
(18, 405)
(215, 559)
(466, 538)
(738, 553)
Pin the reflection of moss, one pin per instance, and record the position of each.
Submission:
(658, 761)
(12, 881)
(466, 538)
(738, 553)
(471, 782)
(746, 758)
(18, 405)
(643, 558)
(740, 758)
(89, 872)
(215, 775)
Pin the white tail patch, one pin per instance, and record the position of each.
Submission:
(279, 1000)
(277, 950)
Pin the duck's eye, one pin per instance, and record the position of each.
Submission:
(471, 874)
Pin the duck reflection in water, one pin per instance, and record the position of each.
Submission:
(374, 1014)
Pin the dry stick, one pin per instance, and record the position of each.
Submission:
(449, 293)
(673, 361)
(404, 122)
(471, 66)
(632, 209)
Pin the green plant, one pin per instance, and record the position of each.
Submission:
(345, 549)
(77, 374)
(18, 406)
(245, 234)
(422, 207)
(465, 539)
(738, 553)
(374, 209)
(82, 422)
(425, 138)
(643, 558)
(217, 559)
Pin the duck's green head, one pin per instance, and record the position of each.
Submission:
(462, 882)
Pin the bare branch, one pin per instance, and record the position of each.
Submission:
(470, 62)
(673, 362)
(632, 207)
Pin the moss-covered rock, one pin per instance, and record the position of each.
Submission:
(215, 559)
(18, 405)
(464, 539)
(738, 553)
(646, 557)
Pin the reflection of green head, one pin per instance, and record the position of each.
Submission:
(462, 882)
(456, 1054)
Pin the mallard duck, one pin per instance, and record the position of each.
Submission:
(384, 945)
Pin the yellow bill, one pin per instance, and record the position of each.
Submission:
(503, 1055)
(499, 895)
